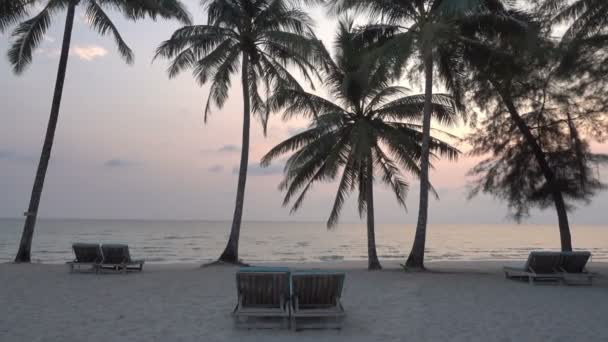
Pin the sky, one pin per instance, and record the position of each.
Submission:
(131, 143)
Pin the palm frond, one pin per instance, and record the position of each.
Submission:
(140, 9)
(29, 34)
(218, 93)
(100, 22)
(410, 108)
(201, 38)
(11, 11)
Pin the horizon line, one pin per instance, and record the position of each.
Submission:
(288, 221)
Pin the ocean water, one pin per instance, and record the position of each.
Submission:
(200, 241)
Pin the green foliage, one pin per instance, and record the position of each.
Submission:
(369, 122)
(11, 11)
(563, 108)
(273, 35)
(28, 34)
(585, 41)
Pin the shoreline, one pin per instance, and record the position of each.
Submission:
(486, 265)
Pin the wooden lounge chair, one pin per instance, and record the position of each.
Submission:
(540, 267)
(263, 298)
(117, 257)
(86, 254)
(573, 268)
(316, 300)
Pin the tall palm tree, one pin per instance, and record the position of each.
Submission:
(267, 36)
(424, 31)
(371, 127)
(28, 35)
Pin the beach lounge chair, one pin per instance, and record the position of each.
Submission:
(573, 268)
(540, 267)
(117, 257)
(86, 254)
(315, 300)
(263, 297)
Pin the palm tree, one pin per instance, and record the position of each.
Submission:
(370, 127)
(268, 36)
(28, 35)
(426, 31)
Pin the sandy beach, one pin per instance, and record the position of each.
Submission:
(458, 301)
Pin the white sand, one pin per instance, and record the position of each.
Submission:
(460, 302)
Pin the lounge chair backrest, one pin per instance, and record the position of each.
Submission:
(574, 262)
(269, 289)
(543, 262)
(115, 253)
(317, 288)
(87, 253)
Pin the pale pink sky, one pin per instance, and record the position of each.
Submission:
(132, 144)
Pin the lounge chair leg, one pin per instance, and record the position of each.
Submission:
(293, 324)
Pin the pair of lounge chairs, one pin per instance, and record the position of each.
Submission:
(299, 299)
(553, 267)
(103, 257)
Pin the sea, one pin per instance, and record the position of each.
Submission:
(202, 241)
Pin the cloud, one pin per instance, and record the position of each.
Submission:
(257, 170)
(49, 52)
(116, 163)
(13, 156)
(89, 52)
(229, 149)
(226, 149)
(7, 155)
(216, 168)
(85, 53)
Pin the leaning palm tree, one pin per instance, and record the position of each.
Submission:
(28, 35)
(267, 36)
(424, 31)
(372, 126)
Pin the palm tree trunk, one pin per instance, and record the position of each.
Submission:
(25, 246)
(558, 198)
(416, 257)
(231, 252)
(372, 257)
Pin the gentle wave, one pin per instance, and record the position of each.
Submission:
(201, 241)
